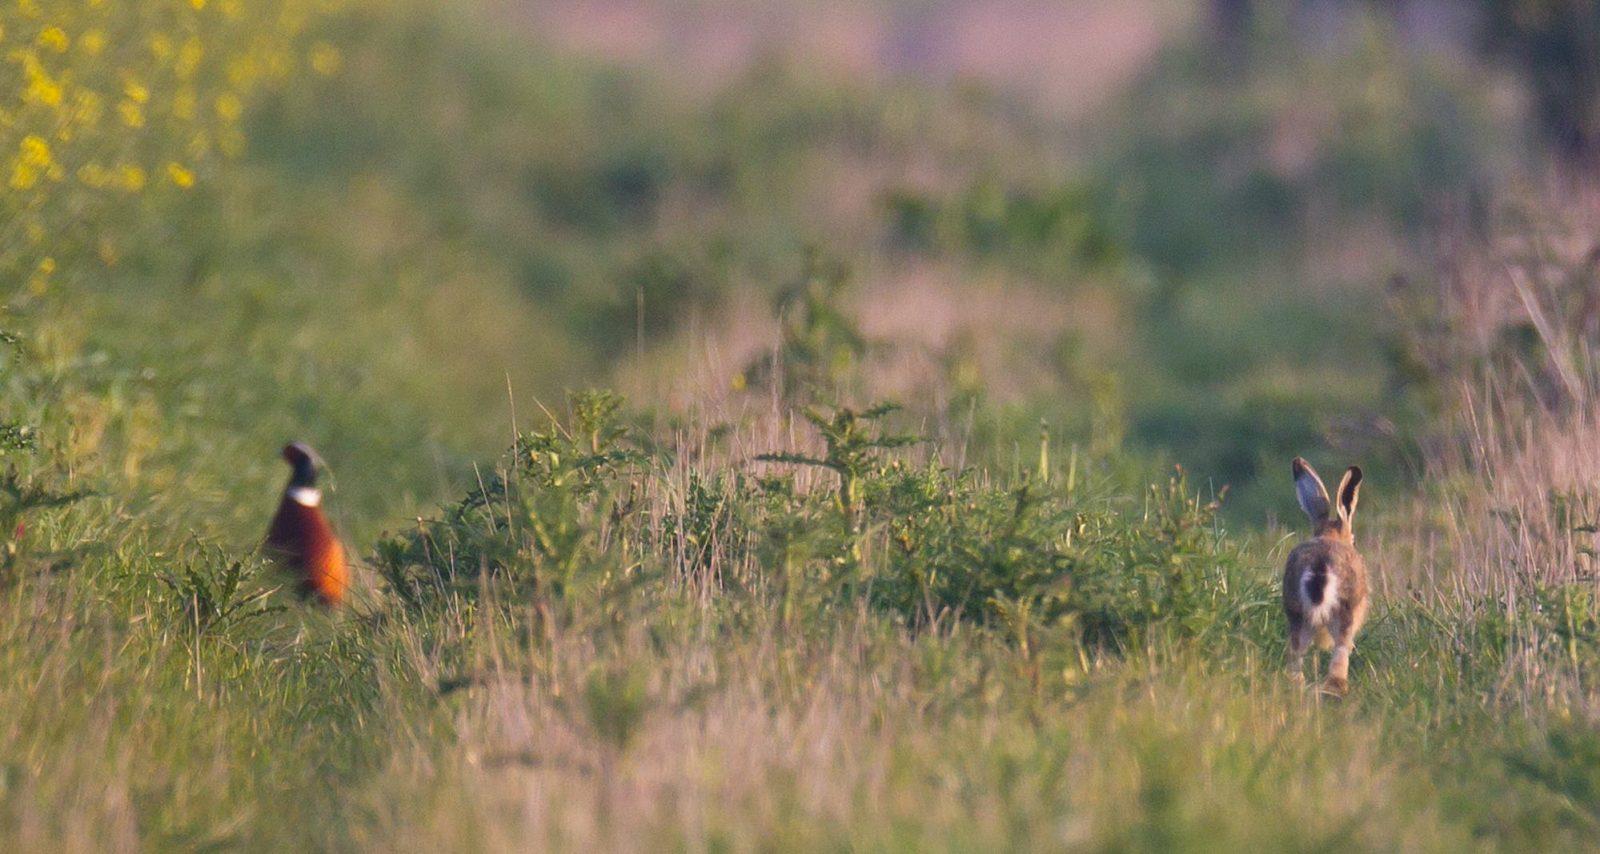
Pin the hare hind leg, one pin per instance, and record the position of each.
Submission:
(1344, 642)
(1300, 634)
(1338, 680)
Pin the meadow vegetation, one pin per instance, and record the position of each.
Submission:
(935, 506)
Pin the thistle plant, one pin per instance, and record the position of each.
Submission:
(216, 593)
(535, 523)
(855, 443)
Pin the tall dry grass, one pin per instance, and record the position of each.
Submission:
(1506, 340)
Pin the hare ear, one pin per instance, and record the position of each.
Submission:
(1349, 491)
(1309, 489)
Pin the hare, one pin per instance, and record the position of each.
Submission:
(1325, 579)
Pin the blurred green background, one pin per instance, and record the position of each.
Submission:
(1165, 231)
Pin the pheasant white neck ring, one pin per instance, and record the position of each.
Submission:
(305, 496)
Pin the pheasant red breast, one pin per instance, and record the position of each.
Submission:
(301, 539)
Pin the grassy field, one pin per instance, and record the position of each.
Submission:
(944, 491)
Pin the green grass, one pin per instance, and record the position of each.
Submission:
(646, 676)
(616, 643)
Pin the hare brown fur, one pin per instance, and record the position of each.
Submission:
(1325, 579)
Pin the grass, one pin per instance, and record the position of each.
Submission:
(598, 648)
(747, 607)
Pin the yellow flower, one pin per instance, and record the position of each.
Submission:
(180, 176)
(278, 63)
(23, 177)
(40, 280)
(34, 151)
(325, 59)
(54, 38)
(136, 91)
(197, 4)
(189, 57)
(242, 70)
(229, 107)
(132, 178)
(34, 161)
(132, 116)
(92, 42)
(41, 88)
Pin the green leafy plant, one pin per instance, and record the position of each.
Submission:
(855, 443)
(21, 496)
(706, 529)
(216, 593)
(534, 524)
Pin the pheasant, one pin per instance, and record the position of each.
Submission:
(301, 539)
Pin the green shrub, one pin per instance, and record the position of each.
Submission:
(533, 528)
(963, 548)
(926, 544)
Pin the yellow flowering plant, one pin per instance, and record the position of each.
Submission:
(107, 106)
